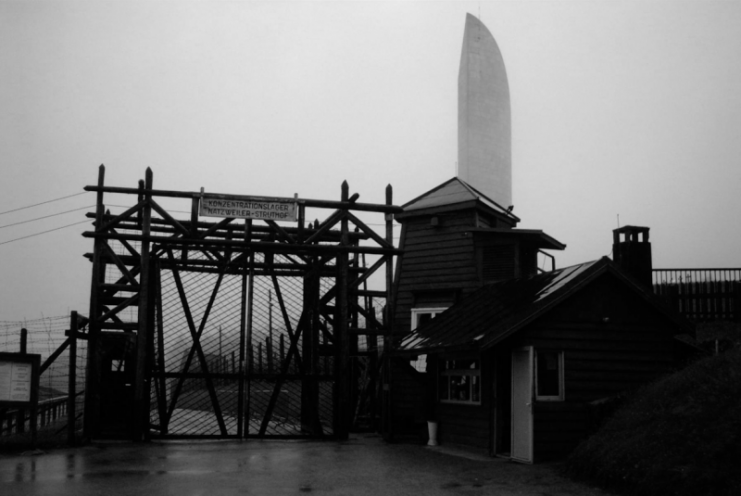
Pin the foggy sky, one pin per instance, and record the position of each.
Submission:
(628, 109)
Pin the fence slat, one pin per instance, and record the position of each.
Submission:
(699, 294)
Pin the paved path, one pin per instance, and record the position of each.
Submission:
(364, 465)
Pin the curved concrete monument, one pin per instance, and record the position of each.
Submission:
(484, 124)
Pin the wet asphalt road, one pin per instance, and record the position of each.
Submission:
(364, 465)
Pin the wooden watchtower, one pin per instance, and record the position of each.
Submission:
(454, 240)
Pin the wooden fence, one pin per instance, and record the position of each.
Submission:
(49, 413)
(701, 295)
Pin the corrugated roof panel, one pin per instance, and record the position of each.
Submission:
(566, 276)
(485, 315)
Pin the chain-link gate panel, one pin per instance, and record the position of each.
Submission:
(222, 337)
(196, 386)
(287, 395)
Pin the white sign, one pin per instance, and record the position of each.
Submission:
(15, 381)
(272, 209)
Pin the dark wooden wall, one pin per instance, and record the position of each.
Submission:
(438, 264)
(408, 417)
(601, 358)
(469, 425)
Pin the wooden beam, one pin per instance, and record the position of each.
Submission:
(255, 245)
(365, 207)
(169, 218)
(118, 308)
(141, 383)
(160, 363)
(50, 359)
(342, 341)
(126, 245)
(326, 226)
(119, 218)
(370, 232)
(111, 255)
(385, 363)
(242, 419)
(92, 377)
(219, 230)
(72, 379)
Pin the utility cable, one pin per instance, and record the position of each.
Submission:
(45, 217)
(43, 203)
(44, 232)
(124, 206)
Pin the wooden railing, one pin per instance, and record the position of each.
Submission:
(701, 295)
(49, 412)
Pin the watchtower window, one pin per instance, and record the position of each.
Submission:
(421, 316)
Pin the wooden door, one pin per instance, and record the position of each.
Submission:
(117, 377)
(522, 405)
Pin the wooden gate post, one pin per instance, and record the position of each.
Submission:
(343, 411)
(20, 419)
(310, 356)
(24, 341)
(141, 385)
(386, 406)
(92, 376)
(245, 315)
(72, 377)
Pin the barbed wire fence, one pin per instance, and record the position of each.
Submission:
(44, 336)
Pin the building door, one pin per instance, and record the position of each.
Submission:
(117, 376)
(522, 405)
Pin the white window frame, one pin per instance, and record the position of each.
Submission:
(561, 383)
(420, 363)
(471, 373)
(417, 311)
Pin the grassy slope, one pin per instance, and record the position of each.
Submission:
(678, 436)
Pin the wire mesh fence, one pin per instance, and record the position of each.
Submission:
(198, 391)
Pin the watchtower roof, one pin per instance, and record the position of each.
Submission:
(453, 192)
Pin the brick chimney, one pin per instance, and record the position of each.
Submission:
(631, 251)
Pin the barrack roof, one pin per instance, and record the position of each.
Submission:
(494, 312)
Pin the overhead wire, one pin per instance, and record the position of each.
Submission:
(45, 217)
(43, 232)
(43, 203)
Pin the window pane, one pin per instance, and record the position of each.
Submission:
(548, 374)
(466, 364)
(460, 388)
(423, 318)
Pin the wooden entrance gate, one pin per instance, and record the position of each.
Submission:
(236, 328)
